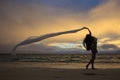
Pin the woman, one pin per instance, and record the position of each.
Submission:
(90, 43)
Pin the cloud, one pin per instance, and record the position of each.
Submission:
(49, 48)
(37, 48)
(19, 21)
(109, 47)
(106, 17)
(75, 6)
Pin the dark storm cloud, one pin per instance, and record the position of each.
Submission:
(109, 46)
(5, 48)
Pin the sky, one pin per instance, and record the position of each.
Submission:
(21, 19)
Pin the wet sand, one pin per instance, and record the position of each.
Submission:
(58, 71)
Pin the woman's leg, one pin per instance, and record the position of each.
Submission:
(88, 64)
(93, 51)
(93, 58)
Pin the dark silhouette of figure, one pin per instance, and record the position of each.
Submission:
(90, 43)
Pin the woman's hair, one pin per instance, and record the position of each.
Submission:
(88, 36)
(88, 41)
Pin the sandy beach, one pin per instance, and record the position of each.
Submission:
(58, 71)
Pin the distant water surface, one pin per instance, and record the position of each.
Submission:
(100, 58)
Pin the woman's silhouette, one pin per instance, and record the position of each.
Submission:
(90, 43)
